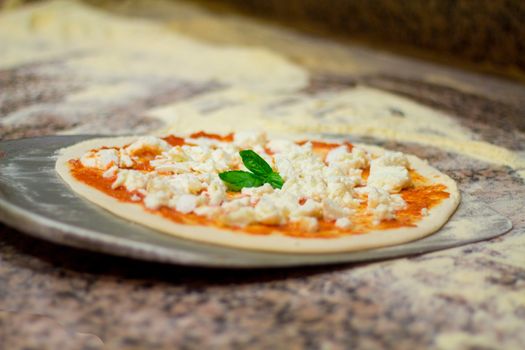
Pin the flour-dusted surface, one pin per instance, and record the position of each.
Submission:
(464, 298)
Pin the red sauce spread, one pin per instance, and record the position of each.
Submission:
(93, 177)
(174, 140)
(200, 134)
(420, 195)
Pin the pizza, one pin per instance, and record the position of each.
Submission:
(252, 191)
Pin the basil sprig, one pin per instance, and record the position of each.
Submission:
(237, 179)
(261, 173)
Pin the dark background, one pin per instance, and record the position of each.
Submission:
(487, 35)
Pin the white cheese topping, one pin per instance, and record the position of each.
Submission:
(248, 140)
(341, 158)
(125, 160)
(186, 178)
(389, 172)
(147, 142)
(110, 172)
(383, 204)
(132, 180)
(307, 223)
(102, 159)
(343, 223)
(240, 217)
(186, 203)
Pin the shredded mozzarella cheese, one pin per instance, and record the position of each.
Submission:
(186, 178)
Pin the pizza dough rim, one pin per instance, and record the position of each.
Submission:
(135, 212)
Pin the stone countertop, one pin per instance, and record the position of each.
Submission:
(471, 297)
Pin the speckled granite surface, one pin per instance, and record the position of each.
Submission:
(471, 297)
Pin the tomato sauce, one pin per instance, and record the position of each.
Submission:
(93, 177)
(200, 134)
(174, 140)
(422, 194)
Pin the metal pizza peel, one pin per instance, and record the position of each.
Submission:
(34, 200)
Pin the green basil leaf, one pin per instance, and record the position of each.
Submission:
(275, 180)
(237, 179)
(261, 172)
(255, 163)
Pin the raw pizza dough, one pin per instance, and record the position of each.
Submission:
(275, 242)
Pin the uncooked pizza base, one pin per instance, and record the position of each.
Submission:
(274, 242)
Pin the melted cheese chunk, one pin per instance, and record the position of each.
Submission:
(101, 159)
(383, 204)
(341, 158)
(147, 143)
(132, 180)
(389, 172)
(247, 139)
